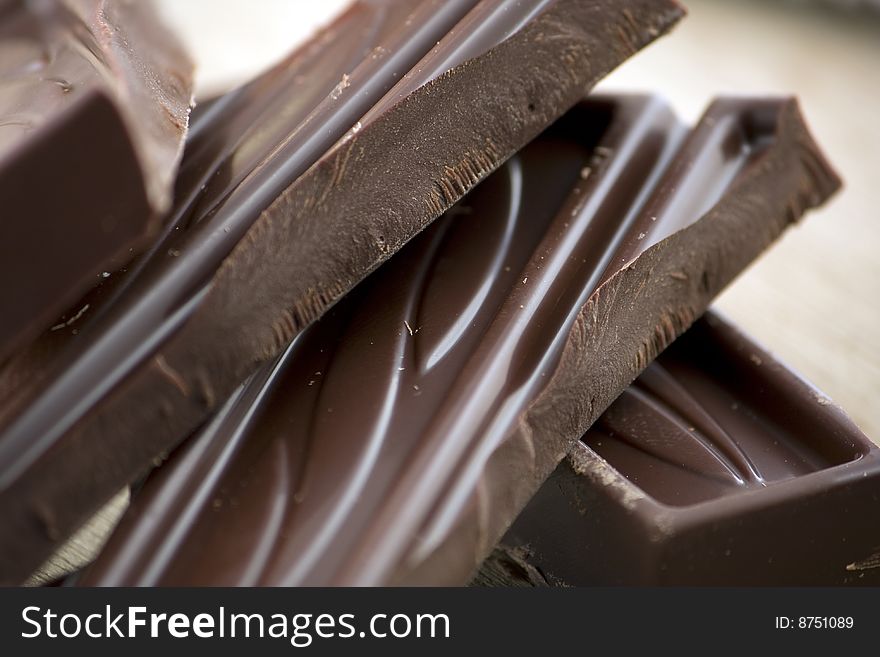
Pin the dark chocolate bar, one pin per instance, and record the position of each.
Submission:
(398, 435)
(431, 98)
(94, 105)
(718, 466)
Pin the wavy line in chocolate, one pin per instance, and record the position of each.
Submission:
(434, 146)
(621, 169)
(658, 390)
(685, 436)
(642, 422)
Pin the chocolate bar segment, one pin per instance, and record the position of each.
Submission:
(344, 189)
(774, 171)
(718, 466)
(94, 105)
(362, 445)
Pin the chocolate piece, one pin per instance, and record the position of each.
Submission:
(356, 457)
(94, 104)
(718, 466)
(400, 160)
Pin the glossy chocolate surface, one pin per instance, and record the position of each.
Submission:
(378, 419)
(261, 126)
(94, 104)
(717, 466)
(301, 211)
(684, 433)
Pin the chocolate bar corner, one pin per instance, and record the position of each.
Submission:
(718, 466)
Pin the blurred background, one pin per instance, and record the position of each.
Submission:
(813, 299)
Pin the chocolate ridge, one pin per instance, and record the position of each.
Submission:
(622, 328)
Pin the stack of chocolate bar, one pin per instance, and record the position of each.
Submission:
(403, 275)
